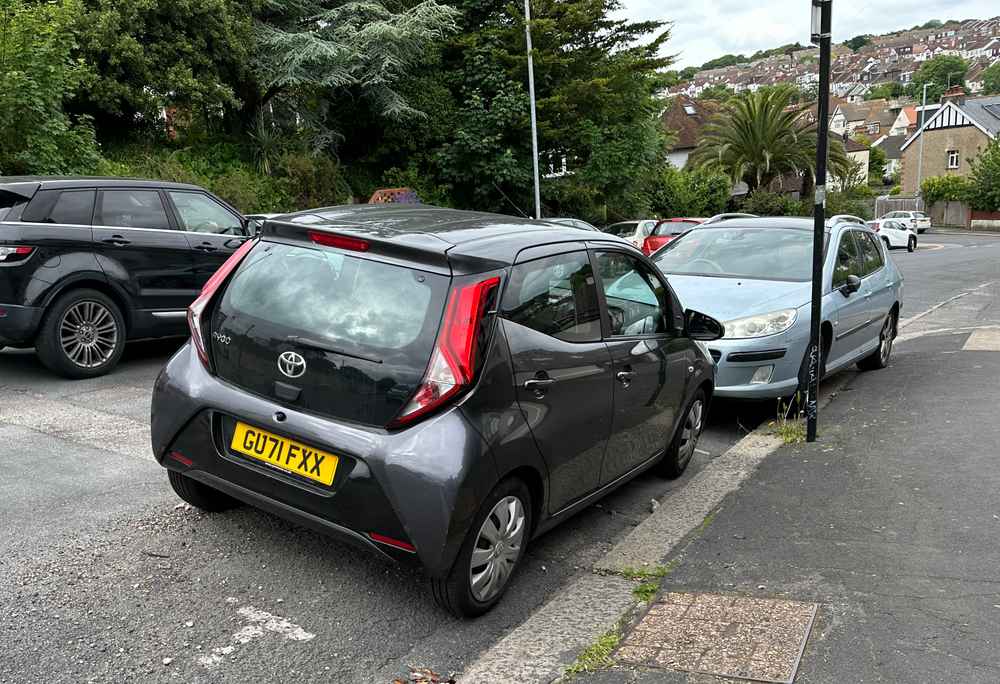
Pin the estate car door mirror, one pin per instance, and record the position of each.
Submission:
(852, 285)
(702, 327)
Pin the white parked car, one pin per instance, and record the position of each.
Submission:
(917, 220)
(635, 232)
(895, 233)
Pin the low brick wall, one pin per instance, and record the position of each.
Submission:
(985, 220)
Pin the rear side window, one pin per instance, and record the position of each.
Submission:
(555, 296)
(674, 227)
(133, 209)
(60, 206)
(848, 260)
(622, 229)
(871, 255)
(345, 301)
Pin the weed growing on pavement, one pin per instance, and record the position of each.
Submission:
(597, 656)
(789, 426)
(646, 574)
(646, 591)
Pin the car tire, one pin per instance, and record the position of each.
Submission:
(456, 592)
(200, 495)
(681, 449)
(911, 244)
(98, 329)
(888, 245)
(880, 357)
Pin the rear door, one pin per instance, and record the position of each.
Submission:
(650, 360)
(877, 284)
(213, 230)
(140, 249)
(853, 319)
(562, 369)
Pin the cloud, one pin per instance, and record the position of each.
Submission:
(703, 31)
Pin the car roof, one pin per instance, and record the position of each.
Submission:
(46, 182)
(435, 229)
(782, 222)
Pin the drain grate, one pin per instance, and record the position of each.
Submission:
(728, 636)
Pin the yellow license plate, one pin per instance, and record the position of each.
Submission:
(286, 454)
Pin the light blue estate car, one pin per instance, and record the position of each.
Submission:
(754, 276)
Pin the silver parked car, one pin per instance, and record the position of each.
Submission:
(754, 275)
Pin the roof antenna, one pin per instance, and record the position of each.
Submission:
(509, 201)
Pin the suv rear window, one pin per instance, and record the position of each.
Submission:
(674, 227)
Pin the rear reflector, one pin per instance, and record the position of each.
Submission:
(180, 458)
(389, 541)
(453, 362)
(340, 241)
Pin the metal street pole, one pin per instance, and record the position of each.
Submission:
(531, 96)
(821, 24)
(920, 152)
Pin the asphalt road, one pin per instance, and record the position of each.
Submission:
(107, 578)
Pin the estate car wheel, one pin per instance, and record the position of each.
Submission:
(880, 357)
(888, 245)
(911, 244)
(82, 335)
(200, 495)
(681, 450)
(490, 554)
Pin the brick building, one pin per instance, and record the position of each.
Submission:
(956, 133)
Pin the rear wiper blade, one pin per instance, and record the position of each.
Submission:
(322, 346)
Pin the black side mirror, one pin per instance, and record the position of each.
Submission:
(702, 327)
(852, 285)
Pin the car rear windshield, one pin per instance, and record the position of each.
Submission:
(346, 301)
(674, 227)
(622, 229)
(754, 253)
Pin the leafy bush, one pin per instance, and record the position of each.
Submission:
(984, 183)
(852, 203)
(946, 189)
(766, 203)
(896, 190)
(689, 193)
(36, 134)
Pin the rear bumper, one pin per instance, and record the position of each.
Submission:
(422, 485)
(19, 324)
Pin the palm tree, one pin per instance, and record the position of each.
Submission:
(759, 137)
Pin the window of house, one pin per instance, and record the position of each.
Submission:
(952, 159)
(873, 127)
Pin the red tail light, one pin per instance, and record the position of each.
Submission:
(654, 242)
(453, 362)
(399, 544)
(15, 253)
(197, 308)
(341, 241)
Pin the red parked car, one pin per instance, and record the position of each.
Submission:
(666, 230)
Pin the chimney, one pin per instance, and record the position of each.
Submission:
(955, 94)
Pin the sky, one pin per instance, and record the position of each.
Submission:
(706, 29)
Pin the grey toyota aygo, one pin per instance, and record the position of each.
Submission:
(439, 386)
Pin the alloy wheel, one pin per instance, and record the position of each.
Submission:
(88, 334)
(691, 430)
(887, 336)
(497, 549)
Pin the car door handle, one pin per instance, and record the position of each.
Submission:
(117, 241)
(538, 384)
(625, 377)
(206, 247)
(236, 242)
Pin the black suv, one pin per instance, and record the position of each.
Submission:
(436, 385)
(88, 263)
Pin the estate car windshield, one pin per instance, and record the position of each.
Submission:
(753, 253)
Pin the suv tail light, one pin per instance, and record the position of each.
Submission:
(452, 366)
(197, 309)
(10, 254)
(654, 242)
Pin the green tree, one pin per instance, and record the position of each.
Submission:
(687, 73)
(984, 191)
(759, 137)
(37, 75)
(939, 72)
(858, 42)
(947, 189)
(991, 79)
(724, 61)
(145, 56)
(886, 91)
(876, 164)
(717, 91)
(679, 193)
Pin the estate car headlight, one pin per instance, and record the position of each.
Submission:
(762, 325)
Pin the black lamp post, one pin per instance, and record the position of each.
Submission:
(821, 21)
